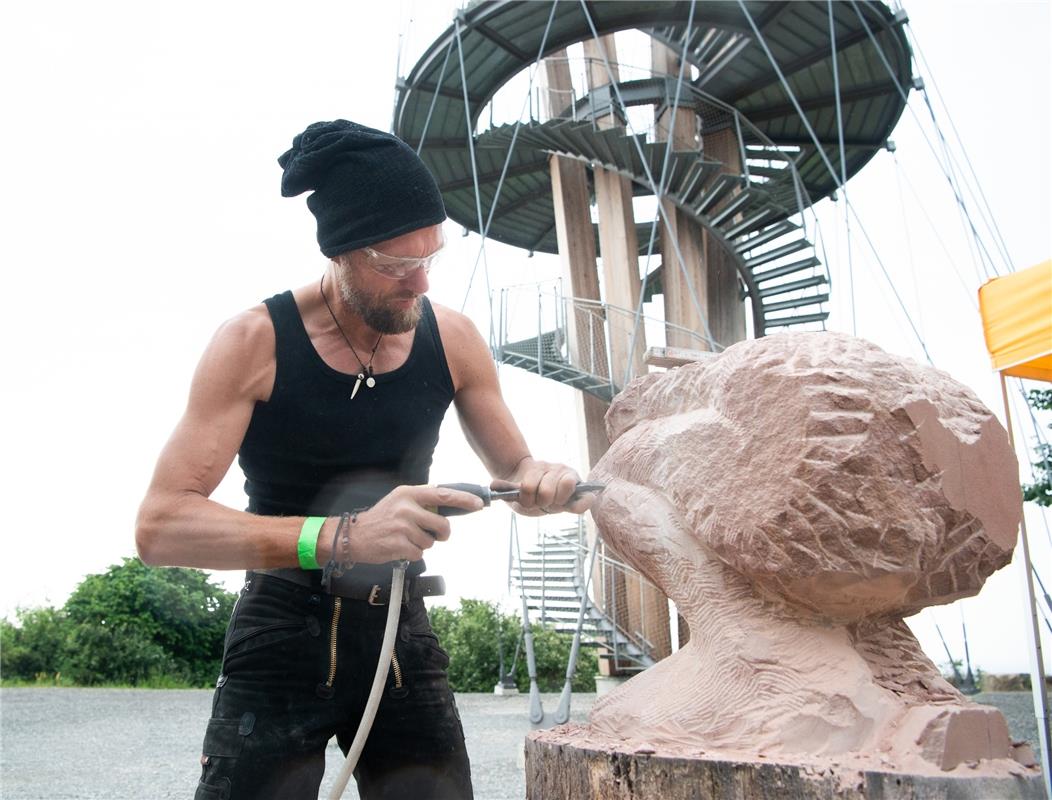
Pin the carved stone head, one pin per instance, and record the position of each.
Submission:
(844, 480)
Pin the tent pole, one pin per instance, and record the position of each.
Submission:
(1037, 666)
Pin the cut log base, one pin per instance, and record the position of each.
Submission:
(571, 772)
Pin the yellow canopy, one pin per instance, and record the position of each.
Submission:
(1017, 322)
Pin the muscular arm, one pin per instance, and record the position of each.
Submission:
(490, 428)
(178, 525)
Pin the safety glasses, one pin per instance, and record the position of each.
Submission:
(397, 267)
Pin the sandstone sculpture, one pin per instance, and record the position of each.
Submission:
(797, 496)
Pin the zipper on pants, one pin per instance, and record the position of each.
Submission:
(325, 689)
(396, 668)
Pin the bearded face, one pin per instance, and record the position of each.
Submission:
(386, 309)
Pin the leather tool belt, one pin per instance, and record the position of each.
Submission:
(375, 594)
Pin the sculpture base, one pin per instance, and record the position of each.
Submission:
(563, 770)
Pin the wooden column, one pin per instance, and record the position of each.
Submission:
(636, 606)
(710, 266)
(726, 306)
(573, 229)
(618, 246)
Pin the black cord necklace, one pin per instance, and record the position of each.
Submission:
(367, 369)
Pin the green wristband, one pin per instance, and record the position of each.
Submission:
(307, 546)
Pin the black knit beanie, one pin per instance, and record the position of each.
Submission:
(368, 186)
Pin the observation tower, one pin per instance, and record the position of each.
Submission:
(746, 115)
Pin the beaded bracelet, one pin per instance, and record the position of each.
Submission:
(341, 539)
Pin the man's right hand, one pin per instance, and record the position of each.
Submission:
(402, 525)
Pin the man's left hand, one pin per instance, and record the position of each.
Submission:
(545, 488)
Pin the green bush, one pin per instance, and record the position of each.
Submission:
(132, 624)
(174, 618)
(36, 645)
(472, 635)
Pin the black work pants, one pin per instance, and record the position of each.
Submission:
(297, 669)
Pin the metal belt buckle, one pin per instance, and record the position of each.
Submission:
(374, 593)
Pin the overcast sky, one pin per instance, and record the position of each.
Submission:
(142, 209)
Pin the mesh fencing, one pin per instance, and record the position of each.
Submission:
(553, 330)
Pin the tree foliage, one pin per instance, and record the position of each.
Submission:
(473, 635)
(35, 645)
(1040, 491)
(132, 624)
(147, 626)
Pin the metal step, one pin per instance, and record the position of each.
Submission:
(784, 322)
(720, 188)
(549, 553)
(559, 564)
(777, 252)
(785, 269)
(768, 235)
(539, 575)
(753, 222)
(767, 172)
(800, 301)
(700, 173)
(766, 154)
(792, 286)
(733, 207)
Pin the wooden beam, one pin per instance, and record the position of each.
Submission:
(675, 356)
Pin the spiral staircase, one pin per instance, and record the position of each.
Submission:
(793, 87)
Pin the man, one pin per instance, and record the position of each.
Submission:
(332, 396)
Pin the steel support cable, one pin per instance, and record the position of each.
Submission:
(653, 186)
(825, 256)
(836, 94)
(661, 183)
(474, 177)
(843, 167)
(968, 290)
(989, 218)
(434, 97)
(947, 168)
(909, 243)
(955, 168)
(1044, 591)
(818, 147)
(950, 660)
(484, 230)
(1041, 440)
(1048, 468)
(792, 97)
(536, 709)
(790, 94)
(966, 220)
(1043, 516)
(891, 283)
(975, 245)
(850, 262)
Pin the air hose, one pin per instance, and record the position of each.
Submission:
(394, 610)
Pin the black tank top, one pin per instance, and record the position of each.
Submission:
(311, 450)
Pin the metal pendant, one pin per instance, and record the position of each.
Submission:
(370, 381)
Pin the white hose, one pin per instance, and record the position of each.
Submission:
(394, 609)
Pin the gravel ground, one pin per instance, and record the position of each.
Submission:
(140, 744)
